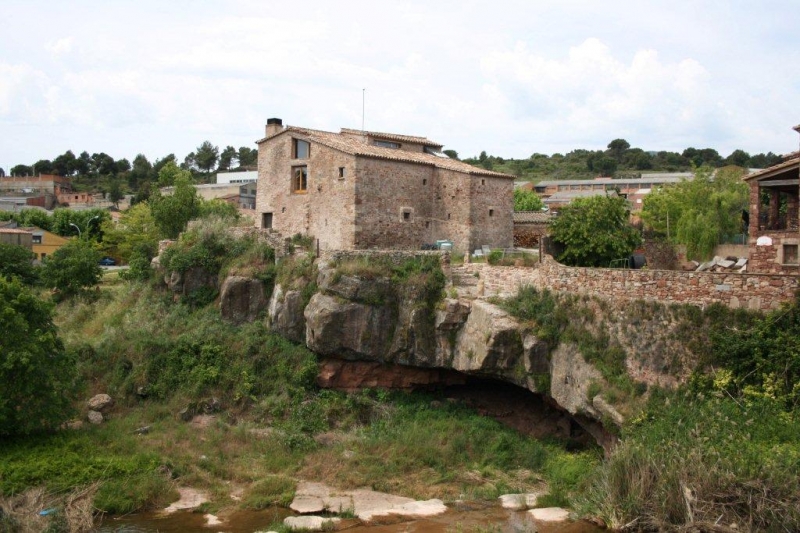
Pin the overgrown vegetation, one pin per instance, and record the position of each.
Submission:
(558, 319)
(724, 449)
(421, 276)
(210, 247)
(694, 458)
(37, 376)
(699, 213)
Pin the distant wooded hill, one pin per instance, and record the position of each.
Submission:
(618, 158)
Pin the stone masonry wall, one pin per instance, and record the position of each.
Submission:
(752, 291)
(325, 210)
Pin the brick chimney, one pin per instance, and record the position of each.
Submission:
(274, 125)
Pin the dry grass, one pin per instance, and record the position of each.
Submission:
(73, 511)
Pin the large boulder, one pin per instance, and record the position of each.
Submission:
(188, 282)
(100, 402)
(242, 299)
(490, 343)
(285, 314)
(348, 329)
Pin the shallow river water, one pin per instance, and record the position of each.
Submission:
(461, 518)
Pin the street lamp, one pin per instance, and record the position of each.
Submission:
(77, 228)
(87, 225)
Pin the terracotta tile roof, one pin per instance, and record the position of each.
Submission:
(532, 217)
(15, 231)
(790, 155)
(786, 165)
(395, 137)
(359, 147)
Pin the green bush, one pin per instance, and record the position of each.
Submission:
(37, 376)
(17, 261)
(494, 257)
(72, 269)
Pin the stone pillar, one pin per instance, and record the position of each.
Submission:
(792, 220)
(774, 205)
(755, 210)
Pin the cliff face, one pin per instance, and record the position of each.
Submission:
(393, 338)
(374, 331)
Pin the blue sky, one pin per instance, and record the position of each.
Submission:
(509, 77)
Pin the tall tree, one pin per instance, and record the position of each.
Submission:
(594, 231)
(115, 192)
(206, 156)
(617, 148)
(172, 212)
(64, 165)
(226, 158)
(247, 156)
(43, 166)
(103, 164)
(21, 170)
(699, 213)
(83, 163)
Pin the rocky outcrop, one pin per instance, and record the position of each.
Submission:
(190, 281)
(355, 375)
(377, 333)
(242, 299)
(285, 314)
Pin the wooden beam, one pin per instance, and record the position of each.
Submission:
(778, 183)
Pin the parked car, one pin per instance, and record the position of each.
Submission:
(107, 262)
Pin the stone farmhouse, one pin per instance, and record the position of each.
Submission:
(774, 231)
(361, 190)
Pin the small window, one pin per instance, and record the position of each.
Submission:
(424, 181)
(300, 149)
(448, 216)
(43, 255)
(300, 179)
(387, 144)
(266, 220)
(427, 224)
(406, 216)
(341, 173)
(37, 239)
(483, 182)
(491, 212)
(790, 255)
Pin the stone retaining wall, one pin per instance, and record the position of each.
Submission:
(752, 291)
(397, 257)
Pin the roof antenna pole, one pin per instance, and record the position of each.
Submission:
(363, 95)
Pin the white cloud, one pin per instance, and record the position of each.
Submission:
(61, 46)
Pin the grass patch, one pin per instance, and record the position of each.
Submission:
(272, 490)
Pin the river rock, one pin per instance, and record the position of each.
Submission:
(241, 299)
(95, 417)
(313, 523)
(518, 502)
(364, 503)
(100, 402)
(550, 514)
